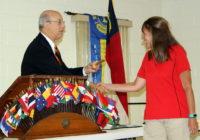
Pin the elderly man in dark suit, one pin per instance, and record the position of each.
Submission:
(42, 55)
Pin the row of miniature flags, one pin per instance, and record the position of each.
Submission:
(46, 94)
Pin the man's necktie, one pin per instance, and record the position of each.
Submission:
(57, 55)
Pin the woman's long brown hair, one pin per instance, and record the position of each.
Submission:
(162, 38)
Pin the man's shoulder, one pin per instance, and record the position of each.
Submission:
(38, 39)
(37, 42)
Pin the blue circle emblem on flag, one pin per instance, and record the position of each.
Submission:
(99, 26)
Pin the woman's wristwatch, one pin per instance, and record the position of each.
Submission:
(192, 115)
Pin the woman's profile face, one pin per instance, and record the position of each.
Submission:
(147, 38)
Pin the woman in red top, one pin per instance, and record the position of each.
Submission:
(165, 71)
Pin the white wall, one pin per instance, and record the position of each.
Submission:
(19, 25)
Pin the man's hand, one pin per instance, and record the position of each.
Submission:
(93, 67)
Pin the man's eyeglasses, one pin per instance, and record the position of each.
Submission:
(57, 21)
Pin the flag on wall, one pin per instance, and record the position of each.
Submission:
(114, 55)
(98, 34)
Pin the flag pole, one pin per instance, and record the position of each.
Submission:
(85, 14)
(72, 13)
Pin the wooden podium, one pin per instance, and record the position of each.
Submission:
(54, 125)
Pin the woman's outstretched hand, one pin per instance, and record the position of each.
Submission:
(102, 88)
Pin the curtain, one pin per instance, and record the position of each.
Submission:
(82, 41)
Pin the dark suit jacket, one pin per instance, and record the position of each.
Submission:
(40, 59)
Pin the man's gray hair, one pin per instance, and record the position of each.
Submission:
(44, 17)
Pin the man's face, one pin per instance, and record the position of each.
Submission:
(55, 26)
